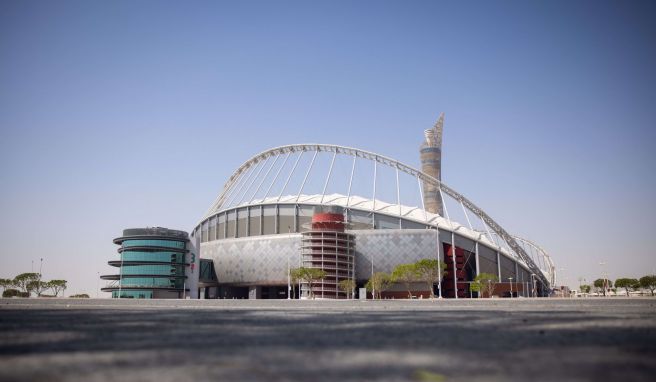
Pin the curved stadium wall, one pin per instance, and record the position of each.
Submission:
(254, 238)
(251, 245)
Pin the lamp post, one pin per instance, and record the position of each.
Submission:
(439, 262)
(40, 268)
(289, 271)
(373, 282)
(510, 279)
(603, 274)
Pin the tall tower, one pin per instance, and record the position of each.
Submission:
(430, 154)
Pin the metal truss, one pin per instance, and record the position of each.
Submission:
(228, 193)
(542, 258)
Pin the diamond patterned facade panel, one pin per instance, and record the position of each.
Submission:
(262, 260)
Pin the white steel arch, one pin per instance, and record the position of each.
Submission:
(497, 229)
(540, 255)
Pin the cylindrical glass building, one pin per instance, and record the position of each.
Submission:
(151, 264)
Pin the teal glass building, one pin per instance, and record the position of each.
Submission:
(151, 264)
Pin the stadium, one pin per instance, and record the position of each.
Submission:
(352, 213)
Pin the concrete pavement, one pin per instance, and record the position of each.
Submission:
(280, 340)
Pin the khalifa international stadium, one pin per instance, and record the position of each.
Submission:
(346, 211)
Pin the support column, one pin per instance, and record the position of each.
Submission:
(439, 261)
(455, 267)
(499, 267)
(478, 267)
(516, 277)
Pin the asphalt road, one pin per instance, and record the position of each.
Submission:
(227, 340)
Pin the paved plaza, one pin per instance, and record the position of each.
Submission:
(278, 340)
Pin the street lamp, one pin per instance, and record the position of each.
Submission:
(40, 268)
(373, 282)
(510, 278)
(603, 274)
(439, 262)
(289, 271)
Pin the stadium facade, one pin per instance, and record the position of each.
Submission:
(259, 227)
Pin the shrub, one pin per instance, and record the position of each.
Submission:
(15, 293)
(11, 293)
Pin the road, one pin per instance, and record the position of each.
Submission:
(279, 340)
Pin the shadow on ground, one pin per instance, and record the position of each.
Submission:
(267, 345)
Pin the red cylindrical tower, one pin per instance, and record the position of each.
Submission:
(328, 247)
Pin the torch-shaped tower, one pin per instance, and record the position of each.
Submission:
(430, 154)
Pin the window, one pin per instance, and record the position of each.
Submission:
(254, 221)
(507, 269)
(221, 226)
(154, 243)
(268, 220)
(360, 219)
(204, 232)
(305, 213)
(212, 232)
(152, 256)
(287, 218)
(407, 224)
(386, 222)
(487, 260)
(232, 224)
(242, 222)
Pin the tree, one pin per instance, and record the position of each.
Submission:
(56, 286)
(430, 271)
(37, 286)
(486, 282)
(585, 288)
(347, 286)
(294, 278)
(24, 281)
(603, 285)
(407, 274)
(648, 282)
(6, 284)
(311, 276)
(628, 284)
(378, 282)
(475, 286)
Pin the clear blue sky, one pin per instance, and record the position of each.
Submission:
(122, 114)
